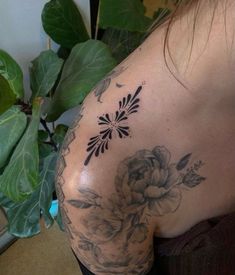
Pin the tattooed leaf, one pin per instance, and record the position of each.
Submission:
(139, 233)
(192, 179)
(90, 194)
(85, 245)
(97, 251)
(80, 204)
(183, 162)
(135, 219)
(119, 85)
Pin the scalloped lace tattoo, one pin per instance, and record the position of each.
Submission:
(113, 125)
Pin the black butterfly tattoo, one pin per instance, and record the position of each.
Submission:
(113, 125)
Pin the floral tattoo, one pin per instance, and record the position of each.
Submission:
(104, 84)
(113, 125)
(147, 184)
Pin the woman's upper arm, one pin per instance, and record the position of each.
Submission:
(120, 178)
(140, 160)
(103, 216)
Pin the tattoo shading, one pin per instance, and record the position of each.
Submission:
(113, 125)
(60, 180)
(118, 85)
(147, 184)
(104, 84)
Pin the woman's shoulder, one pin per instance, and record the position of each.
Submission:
(142, 158)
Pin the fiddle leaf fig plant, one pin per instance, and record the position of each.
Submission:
(63, 22)
(20, 178)
(124, 15)
(12, 126)
(30, 133)
(44, 72)
(87, 63)
(11, 81)
(11, 71)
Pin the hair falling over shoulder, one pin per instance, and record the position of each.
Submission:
(196, 9)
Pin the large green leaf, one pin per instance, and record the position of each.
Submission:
(123, 14)
(5, 202)
(122, 42)
(47, 187)
(88, 63)
(45, 149)
(42, 136)
(11, 71)
(12, 125)
(20, 177)
(63, 22)
(24, 218)
(7, 97)
(44, 72)
(59, 134)
(44, 146)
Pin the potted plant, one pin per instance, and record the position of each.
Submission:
(30, 139)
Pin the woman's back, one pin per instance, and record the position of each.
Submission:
(148, 157)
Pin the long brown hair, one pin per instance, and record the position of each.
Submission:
(181, 7)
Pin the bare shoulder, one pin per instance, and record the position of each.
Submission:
(134, 164)
(117, 177)
(108, 232)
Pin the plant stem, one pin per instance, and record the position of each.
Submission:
(97, 22)
(52, 142)
(48, 43)
(25, 107)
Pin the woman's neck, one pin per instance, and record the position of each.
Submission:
(201, 52)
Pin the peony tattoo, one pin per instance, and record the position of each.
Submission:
(147, 184)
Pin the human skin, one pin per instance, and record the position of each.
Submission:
(168, 164)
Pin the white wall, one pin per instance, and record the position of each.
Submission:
(21, 32)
